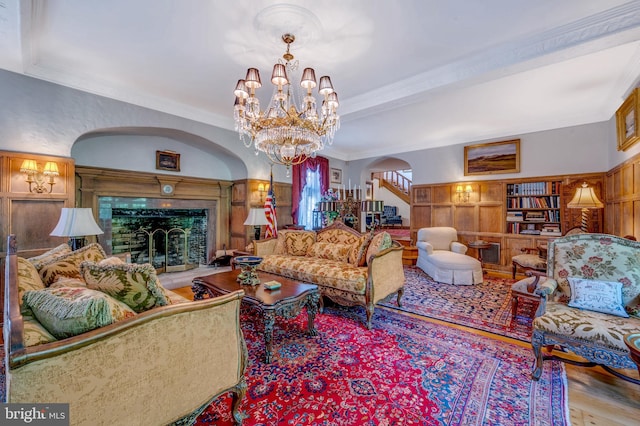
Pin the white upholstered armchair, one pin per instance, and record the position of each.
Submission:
(443, 258)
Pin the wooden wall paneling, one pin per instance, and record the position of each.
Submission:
(442, 193)
(421, 194)
(626, 180)
(465, 218)
(32, 220)
(627, 219)
(442, 215)
(636, 219)
(420, 217)
(489, 191)
(491, 219)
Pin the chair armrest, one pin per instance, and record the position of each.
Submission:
(386, 274)
(423, 245)
(545, 287)
(264, 247)
(457, 247)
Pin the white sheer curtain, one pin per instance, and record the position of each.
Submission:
(310, 196)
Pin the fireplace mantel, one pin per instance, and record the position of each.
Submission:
(188, 192)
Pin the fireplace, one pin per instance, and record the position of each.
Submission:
(172, 235)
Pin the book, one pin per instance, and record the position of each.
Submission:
(272, 285)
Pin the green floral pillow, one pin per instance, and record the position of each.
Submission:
(68, 265)
(136, 285)
(44, 258)
(69, 311)
(380, 242)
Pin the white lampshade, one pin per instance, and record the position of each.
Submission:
(256, 217)
(585, 198)
(76, 223)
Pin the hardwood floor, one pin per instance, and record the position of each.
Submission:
(596, 398)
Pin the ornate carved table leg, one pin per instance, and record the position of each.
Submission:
(269, 321)
(198, 291)
(313, 302)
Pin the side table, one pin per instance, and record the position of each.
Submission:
(633, 343)
(480, 245)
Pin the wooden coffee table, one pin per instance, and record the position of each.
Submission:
(285, 302)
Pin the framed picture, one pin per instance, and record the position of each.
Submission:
(628, 120)
(492, 158)
(369, 191)
(168, 160)
(336, 176)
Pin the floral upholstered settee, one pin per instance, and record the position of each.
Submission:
(349, 268)
(106, 338)
(590, 300)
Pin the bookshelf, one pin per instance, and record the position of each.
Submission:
(533, 208)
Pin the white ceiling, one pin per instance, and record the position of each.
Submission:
(411, 74)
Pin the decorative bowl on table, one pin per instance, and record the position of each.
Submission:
(248, 265)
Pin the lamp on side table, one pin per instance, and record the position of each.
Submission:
(76, 223)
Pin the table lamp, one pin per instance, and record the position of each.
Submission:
(585, 198)
(373, 207)
(76, 223)
(256, 218)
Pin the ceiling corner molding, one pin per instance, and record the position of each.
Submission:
(500, 58)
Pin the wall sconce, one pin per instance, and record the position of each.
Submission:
(463, 193)
(261, 190)
(37, 176)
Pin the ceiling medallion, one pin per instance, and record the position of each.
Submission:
(286, 134)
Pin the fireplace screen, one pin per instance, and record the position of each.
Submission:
(169, 239)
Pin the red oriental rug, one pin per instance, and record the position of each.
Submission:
(405, 371)
(485, 306)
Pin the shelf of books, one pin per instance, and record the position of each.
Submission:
(533, 208)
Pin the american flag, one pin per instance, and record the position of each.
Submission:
(270, 212)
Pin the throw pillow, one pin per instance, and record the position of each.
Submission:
(357, 256)
(67, 311)
(380, 242)
(46, 257)
(598, 296)
(324, 250)
(68, 265)
(297, 243)
(136, 285)
(28, 279)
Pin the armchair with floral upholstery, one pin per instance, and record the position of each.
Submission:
(590, 300)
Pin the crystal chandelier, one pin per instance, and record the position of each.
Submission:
(286, 134)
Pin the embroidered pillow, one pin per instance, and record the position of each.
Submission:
(381, 241)
(28, 279)
(330, 251)
(68, 265)
(297, 243)
(598, 296)
(46, 257)
(136, 285)
(357, 256)
(68, 311)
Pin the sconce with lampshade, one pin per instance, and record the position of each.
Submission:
(463, 192)
(36, 177)
(76, 223)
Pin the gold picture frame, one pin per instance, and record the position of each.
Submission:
(335, 175)
(492, 158)
(168, 160)
(628, 120)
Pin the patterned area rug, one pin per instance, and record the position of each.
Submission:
(485, 306)
(405, 371)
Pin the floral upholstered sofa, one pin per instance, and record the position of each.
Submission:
(109, 340)
(349, 268)
(590, 300)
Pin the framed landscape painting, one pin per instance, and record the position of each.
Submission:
(492, 158)
(627, 117)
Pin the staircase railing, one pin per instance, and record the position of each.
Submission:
(394, 182)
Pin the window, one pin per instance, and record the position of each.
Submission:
(309, 198)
